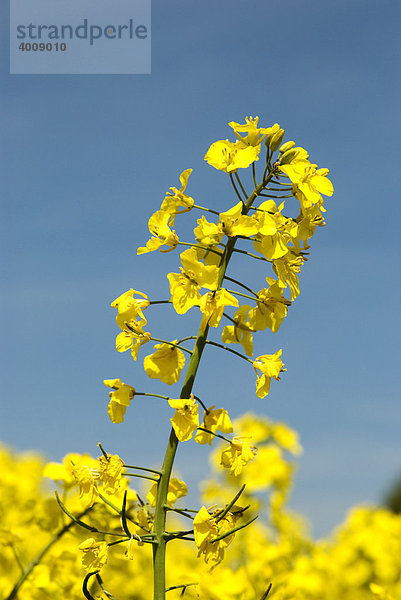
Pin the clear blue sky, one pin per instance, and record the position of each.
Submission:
(85, 161)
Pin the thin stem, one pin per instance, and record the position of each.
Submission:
(118, 511)
(240, 184)
(272, 196)
(177, 587)
(287, 189)
(240, 284)
(141, 476)
(201, 247)
(202, 404)
(231, 504)
(239, 325)
(206, 209)
(254, 175)
(29, 568)
(160, 302)
(178, 511)
(78, 521)
(189, 337)
(142, 469)
(224, 535)
(235, 188)
(229, 350)
(171, 344)
(244, 295)
(215, 434)
(159, 528)
(252, 255)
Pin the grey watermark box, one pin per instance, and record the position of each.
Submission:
(80, 36)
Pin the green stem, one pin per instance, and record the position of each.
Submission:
(240, 184)
(159, 527)
(229, 350)
(28, 570)
(208, 248)
(235, 187)
(171, 344)
(215, 212)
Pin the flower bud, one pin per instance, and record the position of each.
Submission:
(286, 146)
(276, 140)
(288, 156)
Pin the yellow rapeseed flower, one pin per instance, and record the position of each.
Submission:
(95, 554)
(186, 417)
(270, 365)
(119, 399)
(237, 455)
(165, 364)
(213, 420)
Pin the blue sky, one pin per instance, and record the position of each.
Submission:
(86, 160)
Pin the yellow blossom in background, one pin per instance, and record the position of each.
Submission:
(110, 472)
(228, 157)
(161, 234)
(176, 489)
(213, 420)
(63, 472)
(212, 306)
(186, 417)
(270, 365)
(120, 399)
(237, 455)
(165, 364)
(95, 554)
(85, 478)
(185, 286)
(176, 199)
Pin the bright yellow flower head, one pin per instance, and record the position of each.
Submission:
(132, 338)
(270, 365)
(255, 135)
(130, 308)
(237, 455)
(241, 331)
(161, 234)
(176, 489)
(229, 157)
(165, 364)
(186, 417)
(233, 222)
(176, 199)
(287, 269)
(185, 286)
(85, 478)
(119, 399)
(270, 309)
(213, 420)
(95, 554)
(208, 234)
(212, 306)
